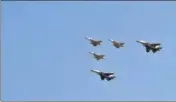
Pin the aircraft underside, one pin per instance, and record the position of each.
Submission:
(151, 48)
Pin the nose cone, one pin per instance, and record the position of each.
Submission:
(88, 38)
(96, 71)
(91, 52)
(138, 41)
(141, 41)
(110, 40)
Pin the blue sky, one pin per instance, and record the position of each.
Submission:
(45, 55)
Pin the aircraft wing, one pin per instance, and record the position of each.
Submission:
(107, 74)
(94, 44)
(147, 49)
(102, 55)
(98, 58)
(99, 41)
(102, 77)
(155, 44)
(154, 50)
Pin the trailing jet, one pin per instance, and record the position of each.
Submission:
(94, 42)
(103, 75)
(97, 56)
(150, 46)
(117, 44)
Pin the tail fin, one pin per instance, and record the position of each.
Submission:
(154, 50)
(122, 44)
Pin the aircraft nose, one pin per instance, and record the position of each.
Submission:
(138, 41)
(94, 71)
(86, 37)
(91, 52)
(110, 40)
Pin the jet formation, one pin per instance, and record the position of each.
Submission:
(154, 47)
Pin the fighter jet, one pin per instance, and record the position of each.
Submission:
(97, 56)
(117, 44)
(150, 46)
(94, 42)
(108, 76)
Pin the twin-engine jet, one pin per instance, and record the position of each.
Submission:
(150, 46)
(94, 42)
(117, 44)
(103, 75)
(97, 56)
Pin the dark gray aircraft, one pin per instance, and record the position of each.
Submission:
(94, 42)
(117, 44)
(97, 56)
(103, 75)
(150, 46)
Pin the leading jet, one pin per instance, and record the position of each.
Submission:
(108, 76)
(93, 41)
(150, 46)
(117, 44)
(97, 56)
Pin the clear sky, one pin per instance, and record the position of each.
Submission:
(45, 55)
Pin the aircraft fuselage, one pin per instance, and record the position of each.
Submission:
(97, 56)
(107, 76)
(94, 42)
(149, 46)
(117, 44)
